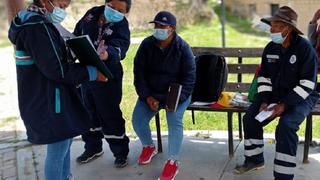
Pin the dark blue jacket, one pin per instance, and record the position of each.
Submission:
(156, 69)
(116, 36)
(288, 75)
(48, 102)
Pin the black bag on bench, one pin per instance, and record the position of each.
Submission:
(212, 74)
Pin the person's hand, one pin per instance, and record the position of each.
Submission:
(316, 17)
(101, 77)
(263, 106)
(102, 51)
(153, 103)
(277, 110)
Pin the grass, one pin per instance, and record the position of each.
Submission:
(208, 34)
(4, 42)
(7, 121)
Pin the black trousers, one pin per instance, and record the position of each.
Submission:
(286, 137)
(102, 101)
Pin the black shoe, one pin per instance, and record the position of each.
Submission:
(247, 167)
(87, 156)
(120, 162)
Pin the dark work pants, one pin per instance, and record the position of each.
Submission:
(102, 100)
(286, 137)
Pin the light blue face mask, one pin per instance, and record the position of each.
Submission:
(277, 38)
(58, 14)
(113, 16)
(161, 34)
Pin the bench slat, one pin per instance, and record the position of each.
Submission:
(242, 68)
(237, 87)
(229, 52)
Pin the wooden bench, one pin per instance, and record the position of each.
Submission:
(239, 67)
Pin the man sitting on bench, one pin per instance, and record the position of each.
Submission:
(287, 79)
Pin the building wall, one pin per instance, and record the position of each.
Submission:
(304, 8)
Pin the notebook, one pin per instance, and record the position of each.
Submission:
(173, 97)
(84, 50)
(263, 115)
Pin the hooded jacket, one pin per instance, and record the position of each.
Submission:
(48, 102)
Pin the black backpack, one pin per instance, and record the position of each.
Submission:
(212, 74)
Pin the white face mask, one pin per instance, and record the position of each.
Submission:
(277, 38)
(58, 14)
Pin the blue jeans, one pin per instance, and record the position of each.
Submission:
(141, 117)
(57, 164)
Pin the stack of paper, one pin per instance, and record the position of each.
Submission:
(263, 115)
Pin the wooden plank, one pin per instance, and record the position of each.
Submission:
(316, 110)
(229, 52)
(207, 108)
(237, 87)
(242, 68)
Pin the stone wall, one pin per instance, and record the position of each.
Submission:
(304, 8)
(142, 11)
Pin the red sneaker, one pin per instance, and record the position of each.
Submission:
(170, 170)
(146, 155)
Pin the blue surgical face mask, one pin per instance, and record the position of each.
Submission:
(277, 38)
(58, 14)
(113, 16)
(161, 34)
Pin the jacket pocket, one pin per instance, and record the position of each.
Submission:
(57, 101)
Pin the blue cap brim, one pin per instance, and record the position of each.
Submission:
(162, 23)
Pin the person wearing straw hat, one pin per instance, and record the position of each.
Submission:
(287, 77)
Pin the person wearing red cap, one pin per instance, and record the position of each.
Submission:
(287, 77)
(162, 59)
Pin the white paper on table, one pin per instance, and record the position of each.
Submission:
(263, 115)
(198, 103)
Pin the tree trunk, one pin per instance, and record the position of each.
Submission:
(13, 7)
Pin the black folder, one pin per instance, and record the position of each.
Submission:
(84, 50)
(173, 97)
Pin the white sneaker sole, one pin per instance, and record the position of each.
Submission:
(92, 157)
(149, 160)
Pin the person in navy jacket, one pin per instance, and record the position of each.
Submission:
(161, 60)
(108, 29)
(49, 105)
(287, 79)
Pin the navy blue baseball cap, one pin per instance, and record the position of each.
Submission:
(165, 18)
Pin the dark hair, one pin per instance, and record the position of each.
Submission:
(128, 2)
(37, 3)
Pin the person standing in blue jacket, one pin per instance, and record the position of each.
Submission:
(288, 79)
(162, 59)
(108, 29)
(49, 105)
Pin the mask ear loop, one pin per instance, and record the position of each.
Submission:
(284, 38)
(51, 3)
